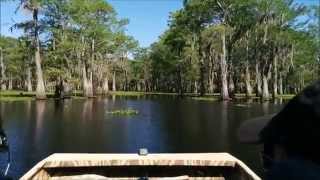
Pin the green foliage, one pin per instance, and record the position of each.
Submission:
(85, 38)
(13, 57)
(205, 98)
(256, 32)
(124, 112)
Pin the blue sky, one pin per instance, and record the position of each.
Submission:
(148, 18)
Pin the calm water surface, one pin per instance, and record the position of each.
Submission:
(37, 129)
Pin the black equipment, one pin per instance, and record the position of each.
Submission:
(4, 148)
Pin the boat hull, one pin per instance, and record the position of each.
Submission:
(133, 166)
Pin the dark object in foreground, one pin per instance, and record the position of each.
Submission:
(2, 177)
(4, 148)
(290, 138)
(3, 141)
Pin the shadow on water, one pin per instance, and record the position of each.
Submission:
(37, 129)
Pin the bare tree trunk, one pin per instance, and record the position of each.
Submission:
(275, 76)
(145, 85)
(90, 85)
(224, 81)
(224, 71)
(202, 71)
(280, 83)
(247, 71)
(265, 36)
(292, 55)
(180, 83)
(10, 82)
(2, 71)
(40, 90)
(85, 81)
(265, 86)
(247, 81)
(114, 87)
(195, 87)
(139, 86)
(29, 83)
(265, 75)
(301, 79)
(202, 85)
(105, 87)
(231, 85)
(265, 89)
(211, 75)
(90, 80)
(25, 84)
(126, 86)
(258, 83)
(211, 85)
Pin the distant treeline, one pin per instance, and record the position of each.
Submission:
(257, 47)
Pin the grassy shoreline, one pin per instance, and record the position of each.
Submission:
(23, 95)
